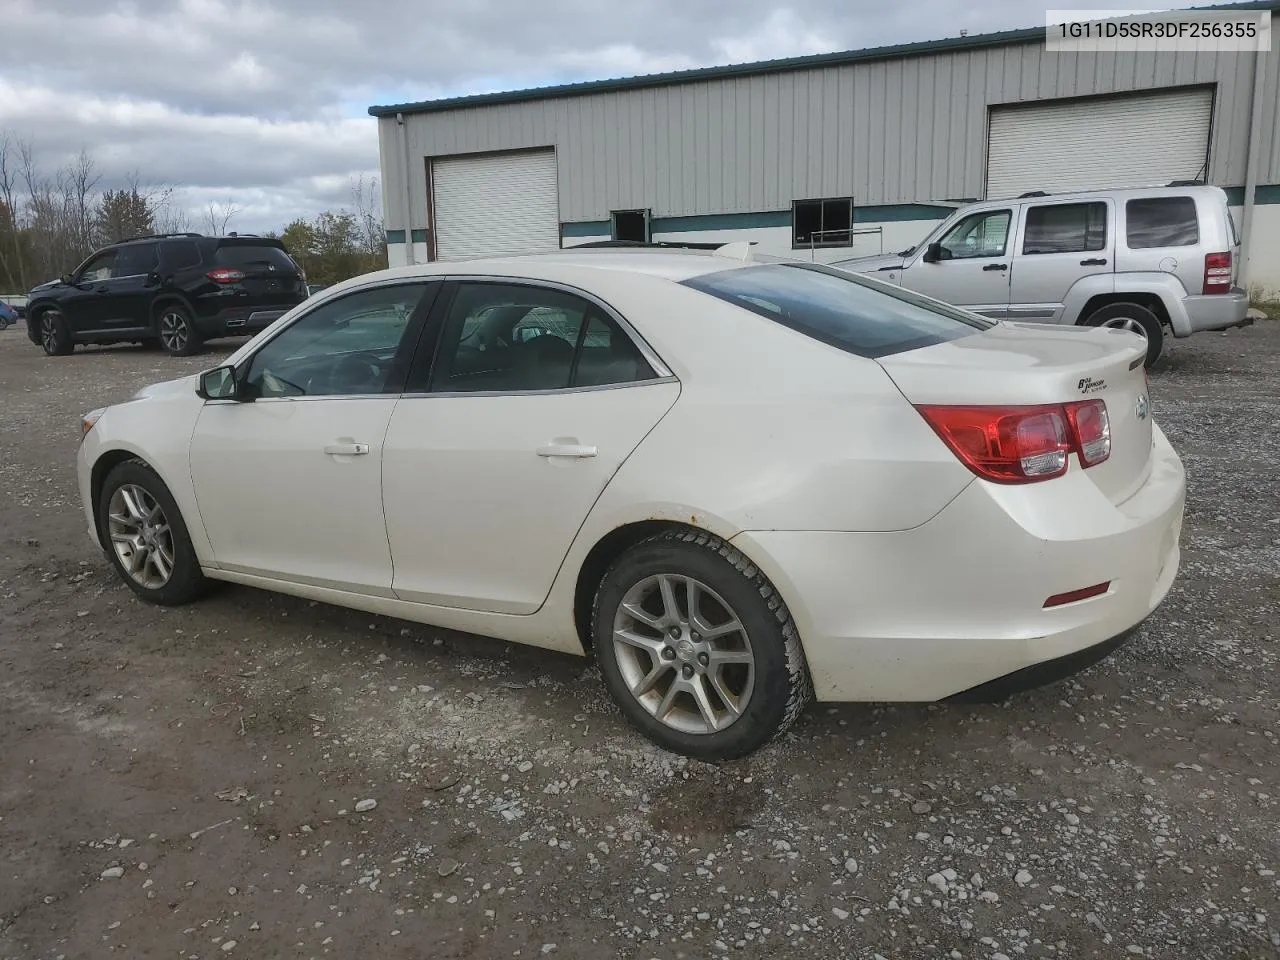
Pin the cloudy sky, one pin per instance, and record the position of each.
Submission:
(263, 102)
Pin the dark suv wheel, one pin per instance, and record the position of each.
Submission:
(178, 334)
(54, 335)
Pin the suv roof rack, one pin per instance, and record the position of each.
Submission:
(158, 236)
(1186, 183)
(1033, 193)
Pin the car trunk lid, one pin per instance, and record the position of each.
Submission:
(268, 270)
(1015, 365)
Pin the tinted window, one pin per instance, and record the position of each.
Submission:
(347, 346)
(135, 259)
(1161, 222)
(1066, 228)
(977, 235)
(180, 254)
(101, 267)
(822, 223)
(253, 256)
(511, 338)
(838, 308)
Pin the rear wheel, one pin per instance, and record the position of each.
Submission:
(1135, 318)
(697, 648)
(54, 335)
(178, 335)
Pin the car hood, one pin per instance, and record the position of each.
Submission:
(888, 261)
(168, 388)
(49, 285)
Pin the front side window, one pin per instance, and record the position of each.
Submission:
(1161, 222)
(841, 309)
(977, 235)
(101, 267)
(1065, 228)
(349, 346)
(513, 338)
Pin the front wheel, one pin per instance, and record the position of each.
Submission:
(178, 334)
(697, 648)
(55, 337)
(1135, 318)
(145, 537)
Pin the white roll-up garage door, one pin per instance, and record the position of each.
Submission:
(1140, 140)
(495, 205)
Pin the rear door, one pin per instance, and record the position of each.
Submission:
(1058, 244)
(973, 266)
(501, 446)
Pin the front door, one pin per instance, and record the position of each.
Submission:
(498, 452)
(288, 480)
(1060, 243)
(126, 302)
(85, 305)
(973, 265)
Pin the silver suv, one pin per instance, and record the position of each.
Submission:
(1150, 259)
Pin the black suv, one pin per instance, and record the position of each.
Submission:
(171, 290)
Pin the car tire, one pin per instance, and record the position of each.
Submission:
(145, 538)
(55, 336)
(754, 681)
(176, 331)
(1135, 317)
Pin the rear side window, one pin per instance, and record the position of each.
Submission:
(1161, 222)
(840, 309)
(254, 256)
(1065, 228)
(181, 254)
(135, 260)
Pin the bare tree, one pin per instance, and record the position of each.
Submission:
(367, 200)
(219, 216)
(11, 258)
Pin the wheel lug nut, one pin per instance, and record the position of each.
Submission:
(694, 637)
(687, 671)
(668, 653)
(703, 659)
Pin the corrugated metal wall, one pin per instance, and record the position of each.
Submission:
(910, 130)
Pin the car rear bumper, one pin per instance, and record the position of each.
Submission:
(241, 321)
(1220, 311)
(958, 602)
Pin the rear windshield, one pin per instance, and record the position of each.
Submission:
(841, 309)
(254, 255)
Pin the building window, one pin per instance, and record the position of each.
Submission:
(632, 225)
(822, 223)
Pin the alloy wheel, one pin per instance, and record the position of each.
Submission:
(1127, 323)
(173, 331)
(140, 536)
(683, 653)
(49, 330)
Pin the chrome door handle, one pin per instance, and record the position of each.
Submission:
(567, 450)
(346, 449)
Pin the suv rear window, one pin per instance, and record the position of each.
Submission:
(254, 256)
(840, 309)
(1161, 222)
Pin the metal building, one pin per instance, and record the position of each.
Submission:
(834, 155)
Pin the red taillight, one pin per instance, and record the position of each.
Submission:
(225, 275)
(1084, 593)
(1023, 444)
(1217, 273)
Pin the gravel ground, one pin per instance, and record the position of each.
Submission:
(265, 777)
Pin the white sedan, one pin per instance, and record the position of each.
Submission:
(739, 485)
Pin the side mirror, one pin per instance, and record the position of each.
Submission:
(933, 253)
(219, 384)
(65, 279)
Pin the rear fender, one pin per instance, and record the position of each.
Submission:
(1163, 285)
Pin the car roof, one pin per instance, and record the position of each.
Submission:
(1155, 190)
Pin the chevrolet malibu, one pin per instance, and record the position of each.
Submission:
(738, 485)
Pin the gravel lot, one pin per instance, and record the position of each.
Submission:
(195, 783)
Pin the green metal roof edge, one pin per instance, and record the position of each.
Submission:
(789, 64)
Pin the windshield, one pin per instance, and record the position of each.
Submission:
(841, 309)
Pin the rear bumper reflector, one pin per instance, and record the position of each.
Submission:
(1084, 593)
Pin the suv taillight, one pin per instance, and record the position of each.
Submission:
(1217, 273)
(1023, 444)
(225, 275)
